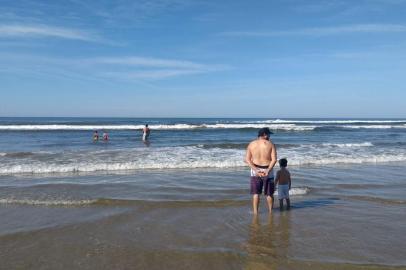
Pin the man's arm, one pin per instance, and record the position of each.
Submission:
(273, 159)
(248, 159)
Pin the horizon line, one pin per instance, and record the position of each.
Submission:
(207, 117)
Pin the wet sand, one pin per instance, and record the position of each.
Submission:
(326, 229)
(315, 234)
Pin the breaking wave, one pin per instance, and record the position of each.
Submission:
(47, 202)
(349, 145)
(290, 127)
(190, 157)
(295, 191)
(352, 121)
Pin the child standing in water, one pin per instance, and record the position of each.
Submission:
(284, 183)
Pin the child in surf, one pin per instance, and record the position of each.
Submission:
(284, 183)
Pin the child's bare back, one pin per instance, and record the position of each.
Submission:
(283, 176)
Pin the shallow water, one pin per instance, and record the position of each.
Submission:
(343, 217)
(183, 201)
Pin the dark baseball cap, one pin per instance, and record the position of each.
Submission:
(264, 131)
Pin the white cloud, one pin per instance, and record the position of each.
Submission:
(45, 31)
(151, 74)
(131, 68)
(323, 31)
(150, 68)
(146, 62)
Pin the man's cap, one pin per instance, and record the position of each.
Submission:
(264, 131)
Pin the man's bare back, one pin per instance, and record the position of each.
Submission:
(261, 152)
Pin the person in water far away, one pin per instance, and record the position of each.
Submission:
(145, 133)
(95, 136)
(105, 136)
(261, 157)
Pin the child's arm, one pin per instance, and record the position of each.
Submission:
(290, 182)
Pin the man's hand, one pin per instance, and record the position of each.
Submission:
(262, 173)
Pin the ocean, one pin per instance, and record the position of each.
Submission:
(181, 201)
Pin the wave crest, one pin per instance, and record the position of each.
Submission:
(289, 127)
(295, 191)
(47, 202)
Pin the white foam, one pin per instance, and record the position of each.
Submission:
(190, 157)
(335, 121)
(69, 127)
(47, 202)
(374, 126)
(349, 145)
(155, 127)
(296, 191)
(272, 124)
(133, 159)
(341, 158)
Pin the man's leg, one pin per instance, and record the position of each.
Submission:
(281, 204)
(288, 203)
(269, 199)
(269, 191)
(255, 203)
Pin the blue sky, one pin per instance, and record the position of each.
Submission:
(183, 58)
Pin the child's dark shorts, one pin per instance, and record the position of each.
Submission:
(259, 183)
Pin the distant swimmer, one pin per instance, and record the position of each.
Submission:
(284, 183)
(261, 157)
(95, 136)
(105, 136)
(145, 133)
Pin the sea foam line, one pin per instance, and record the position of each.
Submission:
(335, 121)
(374, 126)
(349, 145)
(155, 127)
(167, 162)
(295, 191)
(47, 202)
(294, 126)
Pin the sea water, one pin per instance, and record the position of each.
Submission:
(184, 194)
(65, 145)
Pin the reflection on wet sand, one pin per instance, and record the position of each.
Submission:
(268, 242)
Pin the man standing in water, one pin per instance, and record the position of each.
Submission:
(261, 157)
(145, 133)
